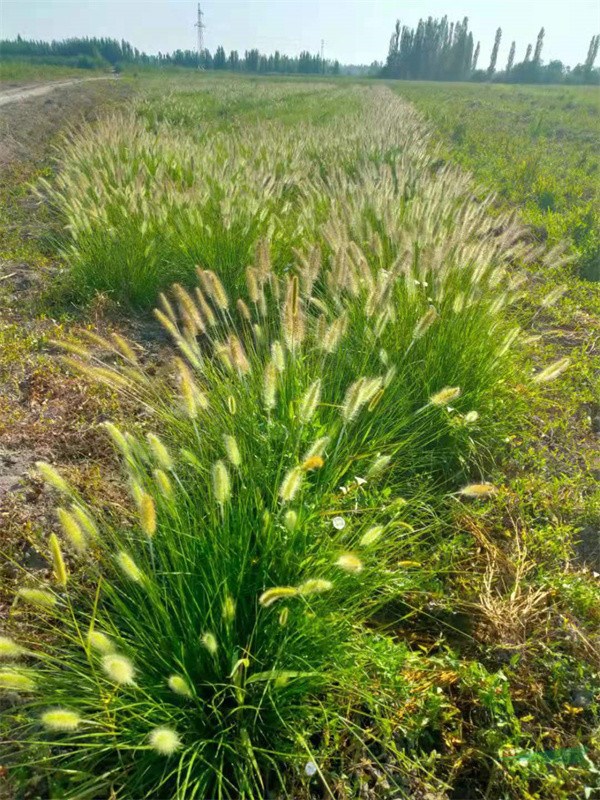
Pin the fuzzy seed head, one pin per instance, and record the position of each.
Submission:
(71, 530)
(278, 356)
(52, 477)
(228, 609)
(270, 386)
(378, 466)
(61, 719)
(58, 562)
(314, 586)
(471, 417)
(164, 483)
(38, 597)
(232, 450)
(209, 641)
(179, 685)
(290, 519)
(10, 649)
(349, 563)
(317, 448)
(291, 484)
(553, 371)
(147, 514)
(426, 321)
(16, 681)
(445, 396)
(86, 523)
(371, 535)
(129, 567)
(271, 596)
(160, 452)
(221, 483)
(165, 741)
(283, 616)
(476, 490)
(101, 642)
(310, 401)
(119, 669)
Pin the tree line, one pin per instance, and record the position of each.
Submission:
(439, 50)
(93, 52)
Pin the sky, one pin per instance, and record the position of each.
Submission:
(354, 31)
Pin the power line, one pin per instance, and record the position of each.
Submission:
(201, 26)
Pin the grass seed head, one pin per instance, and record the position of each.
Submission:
(221, 483)
(129, 567)
(61, 719)
(119, 669)
(270, 386)
(52, 477)
(228, 609)
(147, 514)
(290, 485)
(10, 649)
(314, 586)
(209, 641)
(445, 396)
(14, 681)
(371, 535)
(553, 371)
(160, 452)
(37, 597)
(310, 401)
(165, 741)
(101, 642)
(72, 530)
(58, 562)
(476, 490)
(271, 596)
(232, 450)
(179, 685)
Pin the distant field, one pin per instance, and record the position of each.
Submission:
(538, 147)
(14, 73)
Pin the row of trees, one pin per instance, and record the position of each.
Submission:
(81, 52)
(252, 61)
(440, 50)
(103, 52)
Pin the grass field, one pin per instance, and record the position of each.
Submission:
(537, 147)
(351, 546)
(15, 73)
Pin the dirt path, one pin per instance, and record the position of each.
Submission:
(27, 92)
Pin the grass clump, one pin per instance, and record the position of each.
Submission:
(279, 507)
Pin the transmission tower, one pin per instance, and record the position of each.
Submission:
(201, 26)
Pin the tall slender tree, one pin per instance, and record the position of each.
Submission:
(511, 57)
(592, 53)
(476, 56)
(494, 56)
(527, 54)
(537, 56)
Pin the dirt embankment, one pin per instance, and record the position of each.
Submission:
(45, 413)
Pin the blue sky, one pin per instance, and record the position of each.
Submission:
(355, 31)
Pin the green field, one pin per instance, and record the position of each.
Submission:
(537, 147)
(348, 549)
(14, 73)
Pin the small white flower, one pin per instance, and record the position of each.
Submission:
(310, 768)
(359, 481)
(339, 523)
